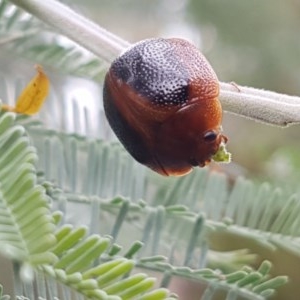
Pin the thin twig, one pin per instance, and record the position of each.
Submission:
(260, 105)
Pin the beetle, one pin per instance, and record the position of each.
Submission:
(161, 100)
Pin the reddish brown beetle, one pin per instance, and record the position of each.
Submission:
(161, 100)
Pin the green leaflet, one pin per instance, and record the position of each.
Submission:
(77, 253)
(26, 232)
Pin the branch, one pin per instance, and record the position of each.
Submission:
(260, 105)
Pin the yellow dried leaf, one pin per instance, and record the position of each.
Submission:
(34, 94)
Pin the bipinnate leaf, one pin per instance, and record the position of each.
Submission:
(26, 228)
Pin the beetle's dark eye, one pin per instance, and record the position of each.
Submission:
(210, 136)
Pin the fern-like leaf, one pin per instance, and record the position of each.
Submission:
(25, 235)
(77, 253)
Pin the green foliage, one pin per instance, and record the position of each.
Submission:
(24, 209)
(27, 231)
(77, 252)
(74, 254)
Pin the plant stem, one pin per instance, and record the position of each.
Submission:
(260, 105)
